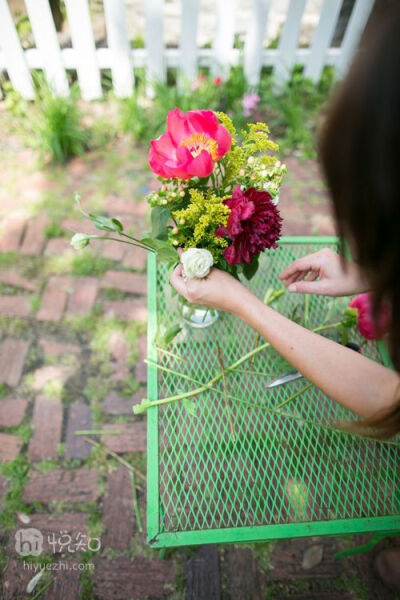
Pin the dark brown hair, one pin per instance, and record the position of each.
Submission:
(360, 155)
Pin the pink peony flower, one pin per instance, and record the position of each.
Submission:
(250, 103)
(254, 224)
(193, 142)
(218, 81)
(366, 324)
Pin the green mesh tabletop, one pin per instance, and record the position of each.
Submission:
(281, 473)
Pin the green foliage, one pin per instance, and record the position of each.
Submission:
(85, 263)
(54, 230)
(293, 113)
(16, 473)
(56, 125)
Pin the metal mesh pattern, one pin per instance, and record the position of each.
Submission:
(277, 467)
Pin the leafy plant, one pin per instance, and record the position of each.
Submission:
(56, 125)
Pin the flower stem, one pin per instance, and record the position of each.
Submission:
(227, 407)
(139, 408)
(294, 396)
(274, 411)
(137, 242)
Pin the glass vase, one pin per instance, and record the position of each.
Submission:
(198, 316)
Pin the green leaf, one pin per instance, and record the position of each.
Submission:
(160, 215)
(189, 406)
(106, 224)
(118, 223)
(249, 270)
(168, 254)
(165, 336)
(165, 252)
(171, 333)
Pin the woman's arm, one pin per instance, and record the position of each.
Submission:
(355, 381)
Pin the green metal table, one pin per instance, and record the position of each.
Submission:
(257, 472)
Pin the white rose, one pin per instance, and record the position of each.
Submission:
(196, 262)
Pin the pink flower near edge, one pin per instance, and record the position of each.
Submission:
(254, 224)
(250, 103)
(366, 324)
(197, 82)
(193, 142)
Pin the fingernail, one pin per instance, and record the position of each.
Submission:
(292, 287)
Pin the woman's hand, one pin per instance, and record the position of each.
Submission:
(323, 273)
(218, 290)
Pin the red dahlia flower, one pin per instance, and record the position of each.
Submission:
(370, 328)
(254, 224)
(192, 143)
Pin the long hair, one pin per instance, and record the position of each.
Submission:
(360, 155)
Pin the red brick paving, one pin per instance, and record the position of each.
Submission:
(113, 250)
(46, 437)
(50, 525)
(66, 584)
(70, 486)
(131, 437)
(55, 349)
(50, 374)
(141, 367)
(12, 359)
(83, 296)
(13, 278)
(139, 577)
(12, 411)
(118, 511)
(3, 490)
(11, 233)
(126, 310)
(57, 246)
(15, 306)
(10, 445)
(15, 580)
(133, 283)
(33, 242)
(135, 258)
(72, 226)
(121, 206)
(114, 404)
(79, 418)
(54, 299)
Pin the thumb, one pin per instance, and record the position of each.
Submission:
(307, 287)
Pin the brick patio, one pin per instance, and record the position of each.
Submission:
(59, 376)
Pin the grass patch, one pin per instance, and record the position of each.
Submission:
(85, 263)
(35, 302)
(8, 259)
(16, 473)
(54, 230)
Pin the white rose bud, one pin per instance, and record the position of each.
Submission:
(196, 262)
(80, 241)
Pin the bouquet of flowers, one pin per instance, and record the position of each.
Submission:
(217, 198)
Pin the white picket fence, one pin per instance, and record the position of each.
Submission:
(118, 56)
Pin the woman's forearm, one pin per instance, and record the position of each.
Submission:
(348, 377)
